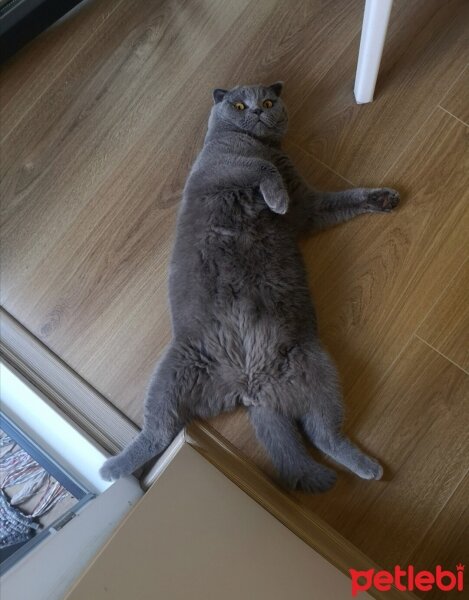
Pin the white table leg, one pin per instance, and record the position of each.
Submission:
(375, 24)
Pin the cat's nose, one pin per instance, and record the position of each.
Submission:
(257, 111)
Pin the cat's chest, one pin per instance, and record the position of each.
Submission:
(242, 239)
(256, 256)
(242, 223)
(248, 244)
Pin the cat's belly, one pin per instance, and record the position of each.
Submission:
(250, 289)
(243, 301)
(250, 349)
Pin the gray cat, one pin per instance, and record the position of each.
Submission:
(244, 328)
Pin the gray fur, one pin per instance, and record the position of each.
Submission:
(244, 328)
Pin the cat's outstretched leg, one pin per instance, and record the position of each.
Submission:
(142, 448)
(312, 210)
(321, 210)
(280, 437)
(322, 423)
(342, 450)
(166, 413)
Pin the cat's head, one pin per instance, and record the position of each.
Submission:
(254, 109)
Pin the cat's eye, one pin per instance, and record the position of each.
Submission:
(239, 106)
(267, 104)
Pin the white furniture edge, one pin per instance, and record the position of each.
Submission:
(48, 571)
(375, 25)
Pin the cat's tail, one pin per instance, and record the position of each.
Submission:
(137, 453)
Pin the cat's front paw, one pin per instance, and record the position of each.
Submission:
(279, 204)
(276, 197)
(382, 200)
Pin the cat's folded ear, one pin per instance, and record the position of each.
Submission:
(218, 95)
(277, 87)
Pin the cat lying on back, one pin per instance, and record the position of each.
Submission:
(244, 328)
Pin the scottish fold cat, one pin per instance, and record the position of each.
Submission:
(244, 327)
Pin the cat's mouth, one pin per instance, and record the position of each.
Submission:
(262, 123)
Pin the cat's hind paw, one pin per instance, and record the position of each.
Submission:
(316, 480)
(370, 469)
(112, 469)
(382, 200)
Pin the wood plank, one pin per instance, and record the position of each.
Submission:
(446, 541)
(446, 328)
(426, 49)
(27, 75)
(456, 101)
(418, 425)
(386, 271)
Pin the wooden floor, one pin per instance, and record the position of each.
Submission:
(101, 118)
